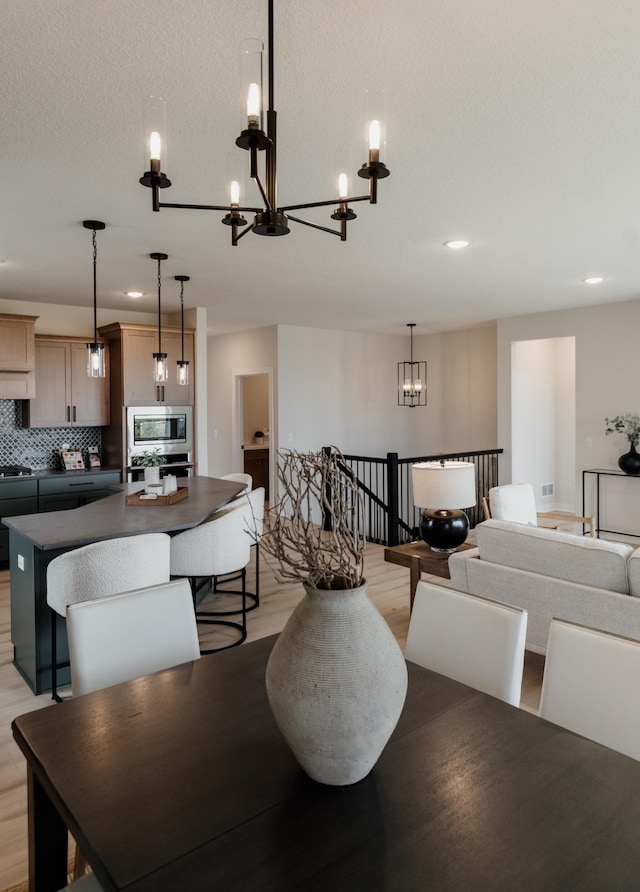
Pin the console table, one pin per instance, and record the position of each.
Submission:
(598, 473)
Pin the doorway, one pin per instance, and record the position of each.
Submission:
(252, 412)
(543, 420)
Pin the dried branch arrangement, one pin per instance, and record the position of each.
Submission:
(315, 485)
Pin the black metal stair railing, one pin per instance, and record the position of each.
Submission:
(390, 515)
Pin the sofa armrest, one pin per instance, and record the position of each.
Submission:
(458, 567)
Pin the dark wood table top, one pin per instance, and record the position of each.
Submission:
(181, 781)
(111, 517)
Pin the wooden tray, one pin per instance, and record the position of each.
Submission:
(134, 498)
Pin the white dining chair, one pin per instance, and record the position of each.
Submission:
(100, 569)
(87, 883)
(216, 550)
(590, 685)
(125, 636)
(473, 640)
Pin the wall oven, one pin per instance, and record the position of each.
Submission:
(167, 429)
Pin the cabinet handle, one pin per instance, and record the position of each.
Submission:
(162, 386)
(74, 413)
(84, 483)
(68, 413)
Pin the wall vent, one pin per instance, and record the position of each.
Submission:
(547, 489)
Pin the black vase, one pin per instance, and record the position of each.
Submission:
(630, 461)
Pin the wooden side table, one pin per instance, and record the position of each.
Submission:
(420, 557)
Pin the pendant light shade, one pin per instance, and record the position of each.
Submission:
(412, 380)
(182, 365)
(160, 365)
(95, 351)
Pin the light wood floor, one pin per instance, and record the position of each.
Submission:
(388, 587)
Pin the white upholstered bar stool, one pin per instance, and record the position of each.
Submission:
(473, 640)
(247, 479)
(218, 547)
(590, 685)
(100, 569)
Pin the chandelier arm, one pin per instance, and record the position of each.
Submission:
(268, 205)
(315, 226)
(320, 204)
(236, 239)
(209, 207)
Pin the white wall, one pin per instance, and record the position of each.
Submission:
(339, 388)
(230, 354)
(461, 410)
(606, 385)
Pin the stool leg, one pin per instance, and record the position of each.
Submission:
(54, 659)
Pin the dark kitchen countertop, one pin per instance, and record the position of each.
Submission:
(45, 472)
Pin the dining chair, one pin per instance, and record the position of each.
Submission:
(125, 636)
(590, 685)
(470, 639)
(517, 502)
(220, 549)
(87, 883)
(101, 569)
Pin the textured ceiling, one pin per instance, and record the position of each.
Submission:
(515, 125)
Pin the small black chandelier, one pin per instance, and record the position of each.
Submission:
(95, 350)
(270, 219)
(182, 365)
(412, 380)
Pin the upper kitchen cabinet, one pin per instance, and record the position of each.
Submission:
(65, 395)
(17, 357)
(132, 347)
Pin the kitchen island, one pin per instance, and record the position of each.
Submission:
(36, 539)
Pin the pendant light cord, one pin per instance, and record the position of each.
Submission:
(182, 316)
(95, 311)
(159, 302)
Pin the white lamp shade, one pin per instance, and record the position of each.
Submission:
(449, 484)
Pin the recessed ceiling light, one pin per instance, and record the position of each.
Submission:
(456, 243)
(134, 293)
(594, 280)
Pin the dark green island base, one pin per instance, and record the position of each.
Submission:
(36, 539)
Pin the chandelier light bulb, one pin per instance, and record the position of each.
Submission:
(374, 135)
(343, 189)
(234, 191)
(155, 146)
(253, 105)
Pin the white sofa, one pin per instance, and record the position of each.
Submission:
(550, 573)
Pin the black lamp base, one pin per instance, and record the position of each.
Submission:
(444, 529)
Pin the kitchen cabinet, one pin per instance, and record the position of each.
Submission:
(256, 463)
(132, 346)
(17, 357)
(65, 395)
(61, 492)
(16, 497)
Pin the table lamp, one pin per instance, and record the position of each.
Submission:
(442, 488)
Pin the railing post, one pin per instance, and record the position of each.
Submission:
(326, 515)
(392, 498)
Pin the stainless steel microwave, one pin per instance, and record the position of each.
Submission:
(169, 429)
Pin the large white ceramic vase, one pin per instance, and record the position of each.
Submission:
(336, 681)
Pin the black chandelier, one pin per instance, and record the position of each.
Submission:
(412, 379)
(270, 219)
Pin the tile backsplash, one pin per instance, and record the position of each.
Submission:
(37, 448)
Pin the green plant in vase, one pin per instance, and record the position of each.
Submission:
(629, 426)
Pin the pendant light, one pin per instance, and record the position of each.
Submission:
(95, 351)
(160, 365)
(182, 365)
(412, 380)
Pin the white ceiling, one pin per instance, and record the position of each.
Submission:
(514, 124)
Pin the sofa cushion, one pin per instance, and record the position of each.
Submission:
(580, 559)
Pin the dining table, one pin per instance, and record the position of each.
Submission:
(180, 781)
